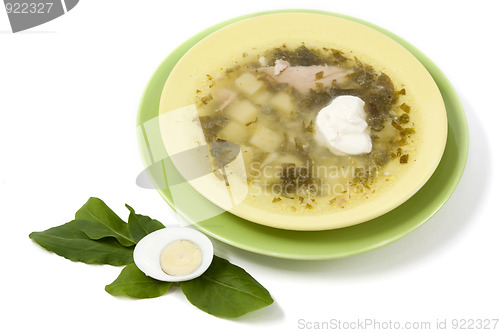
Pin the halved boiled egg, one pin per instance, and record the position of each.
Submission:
(174, 254)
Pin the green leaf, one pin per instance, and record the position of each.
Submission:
(141, 225)
(103, 222)
(96, 230)
(71, 243)
(134, 283)
(226, 290)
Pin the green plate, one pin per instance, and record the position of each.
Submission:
(307, 245)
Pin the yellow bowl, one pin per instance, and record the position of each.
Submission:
(180, 131)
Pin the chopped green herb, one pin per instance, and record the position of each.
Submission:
(396, 125)
(403, 119)
(407, 131)
(405, 107)
(206, 99)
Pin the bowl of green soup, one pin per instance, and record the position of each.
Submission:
(302, 121)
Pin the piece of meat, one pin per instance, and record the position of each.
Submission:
(224, 97)
(304, 78)
(263, 61)
(280, 66)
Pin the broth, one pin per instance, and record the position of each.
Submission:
(267, 104)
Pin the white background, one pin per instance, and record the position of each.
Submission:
(69, 92)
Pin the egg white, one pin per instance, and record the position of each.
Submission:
(147, 252)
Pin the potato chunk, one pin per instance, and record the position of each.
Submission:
(243, 112)
(233, 132)
(283, 103)
(262, 98)
(290, 159)
(248, 84)
(266, 139)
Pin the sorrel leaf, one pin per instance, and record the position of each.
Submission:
(226, 290)
(97, 212)
(71, 243)
(134, 283)
(141, 225)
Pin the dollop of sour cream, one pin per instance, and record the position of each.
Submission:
(341, 127)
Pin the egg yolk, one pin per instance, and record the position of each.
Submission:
(181, 257)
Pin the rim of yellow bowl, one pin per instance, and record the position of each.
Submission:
(369, 45)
